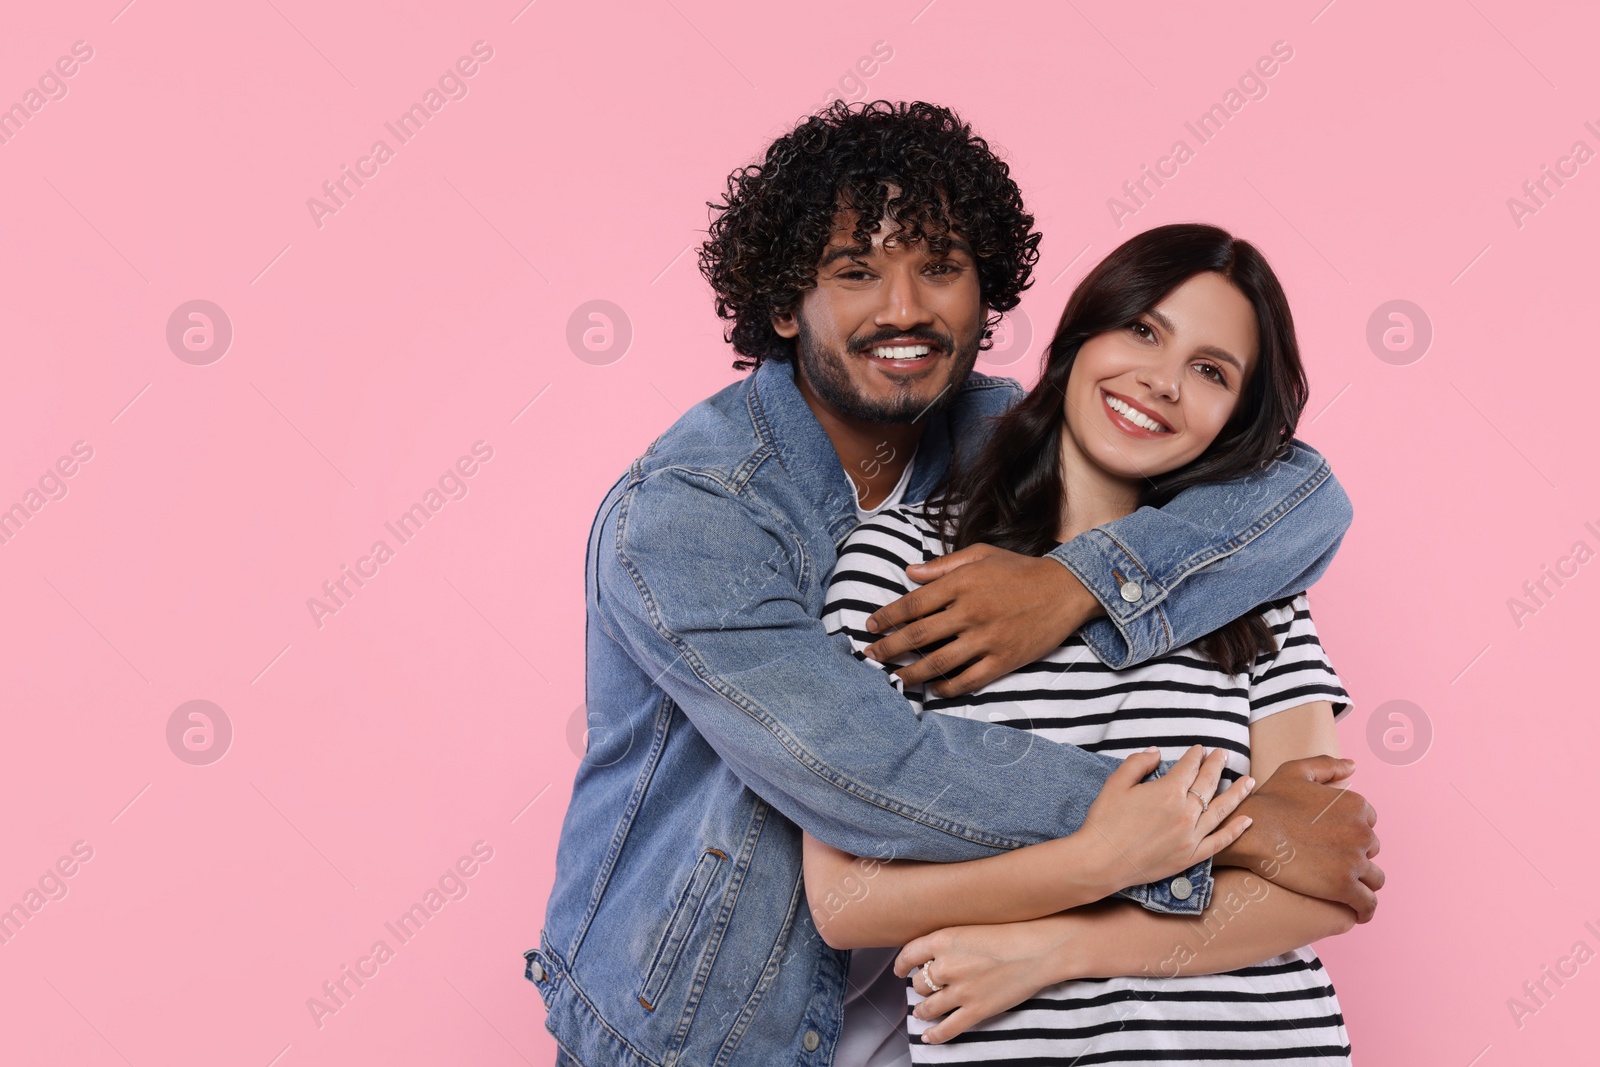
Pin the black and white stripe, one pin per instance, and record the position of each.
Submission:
(1282, 1011)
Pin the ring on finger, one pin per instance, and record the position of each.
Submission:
(1204, 803)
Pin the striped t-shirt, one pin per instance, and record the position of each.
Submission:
(1283, 1010)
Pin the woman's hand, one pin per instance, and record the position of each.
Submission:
(1147, 831)
(985, 970)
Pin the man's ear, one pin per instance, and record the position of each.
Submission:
(786, 323)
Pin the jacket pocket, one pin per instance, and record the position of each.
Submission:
(690, 901)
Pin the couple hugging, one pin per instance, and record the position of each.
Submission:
(947, 722)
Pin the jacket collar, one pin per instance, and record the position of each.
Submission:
(789, 428)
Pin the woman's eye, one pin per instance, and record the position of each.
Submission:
(1136, 327)
(1211, 371)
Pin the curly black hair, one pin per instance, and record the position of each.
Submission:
(777, 216)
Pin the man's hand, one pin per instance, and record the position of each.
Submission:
(1003, 610)
(1312, 834)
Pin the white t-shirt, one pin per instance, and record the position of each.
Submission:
(895, 496)
(874, 1030)
(1283, 1010)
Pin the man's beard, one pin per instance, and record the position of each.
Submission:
(825, 371)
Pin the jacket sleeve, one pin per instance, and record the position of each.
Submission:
(1170, 575)
(704, 587)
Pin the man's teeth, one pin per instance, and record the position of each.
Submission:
(1135, 416)
(902, 351)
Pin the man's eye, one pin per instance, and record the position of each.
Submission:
(944, 268)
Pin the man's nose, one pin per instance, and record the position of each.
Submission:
(903, 306)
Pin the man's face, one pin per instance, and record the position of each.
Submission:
(890, 331)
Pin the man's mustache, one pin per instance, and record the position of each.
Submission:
(932, 337)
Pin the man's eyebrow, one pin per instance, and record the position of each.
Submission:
(844, 252)
(1210, 350)
(961, 246)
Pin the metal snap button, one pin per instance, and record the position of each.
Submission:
(1182, 888)
(1131, 592)
(811, 1040)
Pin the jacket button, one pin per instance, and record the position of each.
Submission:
(811, 1040)
(1182, 887)
(536, 969)
(1131, 592)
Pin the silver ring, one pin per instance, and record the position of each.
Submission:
(1204, 803)
(927, 976)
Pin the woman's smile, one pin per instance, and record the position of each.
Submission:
(1133, 419)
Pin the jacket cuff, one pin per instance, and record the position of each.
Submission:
(1135, 628)
(1188, 893)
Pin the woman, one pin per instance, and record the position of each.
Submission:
(1175, 363)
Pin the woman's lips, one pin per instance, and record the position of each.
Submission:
(1126, 425)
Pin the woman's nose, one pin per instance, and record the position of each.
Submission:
(1161, 381)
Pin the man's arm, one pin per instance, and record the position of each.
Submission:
(812, 730)
(1170, 575)
(1230, 547)
(1161, 577)
(1133, 827)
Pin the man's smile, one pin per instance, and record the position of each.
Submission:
(903, 354)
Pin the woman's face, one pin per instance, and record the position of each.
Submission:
(1148, 398)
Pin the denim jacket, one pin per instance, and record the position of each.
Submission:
(723, 718)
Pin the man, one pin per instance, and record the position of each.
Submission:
(859, 265)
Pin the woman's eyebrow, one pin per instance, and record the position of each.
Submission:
(1209, 350)
(1222, 354)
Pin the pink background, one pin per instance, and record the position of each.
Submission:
(441, 705)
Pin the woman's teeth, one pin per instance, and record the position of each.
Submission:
(902, 351)
(1134, 415)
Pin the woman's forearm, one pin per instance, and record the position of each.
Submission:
(865, 902)
(1250, 920)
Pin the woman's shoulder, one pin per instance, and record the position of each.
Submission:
(1281, 614)
(1287, 618)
